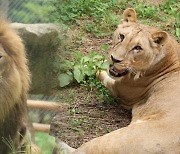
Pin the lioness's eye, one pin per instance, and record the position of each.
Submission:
(121, 37)
(137, 48)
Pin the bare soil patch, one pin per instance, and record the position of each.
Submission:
(87, 118)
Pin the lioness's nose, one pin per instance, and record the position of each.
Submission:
(115, 60)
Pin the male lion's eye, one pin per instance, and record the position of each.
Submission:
(137, 48)
(121, 37)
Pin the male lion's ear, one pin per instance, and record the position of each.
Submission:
(159, 37)
(129, 15)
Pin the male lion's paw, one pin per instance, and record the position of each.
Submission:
(101, 75)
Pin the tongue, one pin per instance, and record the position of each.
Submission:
(117, 70)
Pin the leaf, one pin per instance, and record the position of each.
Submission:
(86, 59)
(69, 64)
(178, 32)
(78, 55)
(98, 63)
(89, 72)
(59, 66)
(69, 73)
(65, 79)
(105, 65)
(78, 75)
(98, 57)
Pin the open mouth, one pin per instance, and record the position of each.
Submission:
(116, 72)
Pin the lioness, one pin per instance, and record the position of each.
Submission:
(144, 74)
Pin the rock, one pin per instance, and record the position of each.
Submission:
(41, 41)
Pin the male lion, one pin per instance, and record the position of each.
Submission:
(144, 74)
(14, 85)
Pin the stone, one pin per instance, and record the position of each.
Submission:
(41, 42)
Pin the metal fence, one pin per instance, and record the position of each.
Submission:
(26, 11)
(30, 11)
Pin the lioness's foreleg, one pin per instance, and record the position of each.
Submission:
(107, 81)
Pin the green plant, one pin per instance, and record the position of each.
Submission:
(39, 12)
(102, 92)
(146, 11)
(11, 145)
(96, 16)
(81, 69)
(30, 11)
(100, 17)
(45, 142)
(177, 29)
(172, 8)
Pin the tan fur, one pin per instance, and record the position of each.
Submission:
(15, 76)
(14, 86)
(151, 89)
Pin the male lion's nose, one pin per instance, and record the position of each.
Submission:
(115, 60)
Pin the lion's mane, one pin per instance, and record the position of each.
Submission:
(14, 85)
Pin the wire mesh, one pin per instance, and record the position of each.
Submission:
(41, 116)
(30, 11)
(26, 11)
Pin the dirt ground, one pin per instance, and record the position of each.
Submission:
(87, 118)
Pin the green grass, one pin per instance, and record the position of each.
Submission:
(96, 16)
(45, 142)
(100, 17)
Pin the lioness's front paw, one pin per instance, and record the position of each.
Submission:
(101, 75)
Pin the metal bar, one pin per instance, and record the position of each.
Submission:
(41, 127)
(47, 105)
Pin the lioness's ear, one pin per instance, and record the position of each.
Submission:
(129, 15)
(159, 37)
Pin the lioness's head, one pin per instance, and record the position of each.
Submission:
(136, 47)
